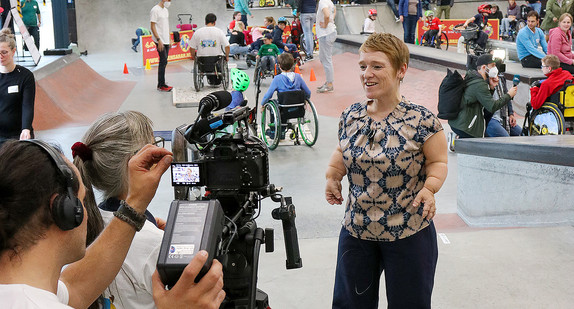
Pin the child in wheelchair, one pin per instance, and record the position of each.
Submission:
(278, 38)
(542, 91)
(434, 32)
(268, 54)
(287, 80)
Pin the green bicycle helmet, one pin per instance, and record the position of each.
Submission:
(429, 13)
(240, 80)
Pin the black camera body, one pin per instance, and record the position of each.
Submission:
(233, 168)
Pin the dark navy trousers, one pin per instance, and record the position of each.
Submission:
(409, 266)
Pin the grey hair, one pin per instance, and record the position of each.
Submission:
(7, 36)
(113, 139)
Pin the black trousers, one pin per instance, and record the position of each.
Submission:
(162, 64)
(531, 61)
(35, 33)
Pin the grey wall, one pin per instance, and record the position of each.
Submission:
(108, 25)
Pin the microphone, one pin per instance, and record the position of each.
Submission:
(516, 80)
(214, 101)
(202, 127)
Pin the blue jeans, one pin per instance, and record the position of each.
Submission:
(236, 49)
(139, 33)
(495, 129)
(268, 63)
(536, 6)
(409, 265)
(244, 19)
(307, 21)
(393, 6)
(410, 28)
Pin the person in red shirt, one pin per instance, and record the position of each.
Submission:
(433, 23)
(556, 79)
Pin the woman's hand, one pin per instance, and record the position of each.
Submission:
(333, 192)
(426, 198)
(25, 134)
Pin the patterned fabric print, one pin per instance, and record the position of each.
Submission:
(385, 169)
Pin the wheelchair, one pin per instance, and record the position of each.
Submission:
(261, 74)
(290, 112)
(554, 117)
(214, 68)
(470, 35)
(439, 42)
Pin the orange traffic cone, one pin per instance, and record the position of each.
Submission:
(297, 69)
(312, 78)
(126, 69)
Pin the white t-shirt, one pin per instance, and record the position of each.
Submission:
(22, 296)
(321, 17)
(132, 287)
(209, 41)
(160, 16)
(369, 25)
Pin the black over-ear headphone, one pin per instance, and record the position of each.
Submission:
(67, 210)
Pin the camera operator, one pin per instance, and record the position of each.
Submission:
(43, 228)
(479, 84)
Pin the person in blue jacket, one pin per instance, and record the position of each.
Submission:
(528, 40)
(287, 80)
(410, 11)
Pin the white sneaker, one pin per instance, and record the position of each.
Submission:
(451, 137)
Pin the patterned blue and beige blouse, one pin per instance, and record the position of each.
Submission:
(386, 169)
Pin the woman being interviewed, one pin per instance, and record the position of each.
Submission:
(560, 42)
(394, 154)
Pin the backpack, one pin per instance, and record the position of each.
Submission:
(450, 95)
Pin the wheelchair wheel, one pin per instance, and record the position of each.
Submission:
(196, 76)
(547, 120)
(309, 124)
(224, 74)
(270, 125)
(442, 41)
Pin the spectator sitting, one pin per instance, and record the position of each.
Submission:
(477, 97)
(237, 40)
(560, 42)
(278, 36)
(434, 27)
(528, 40)
(556, 79)
(511, 12)
(268, 53)
(496, 13)
(554, 9)
(139, 32)
(287, 80)
(495, 122)
(369, 24)
(236, 18)
(257, 33)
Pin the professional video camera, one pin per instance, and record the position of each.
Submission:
(234, 170)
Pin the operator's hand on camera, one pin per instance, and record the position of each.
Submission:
(161, 223)
(333, 192)
(207, 294)
(425, 197)
(145, 169)
(512, 91)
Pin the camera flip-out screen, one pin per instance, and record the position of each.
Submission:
(186, 174)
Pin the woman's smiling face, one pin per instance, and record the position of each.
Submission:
(378, 77)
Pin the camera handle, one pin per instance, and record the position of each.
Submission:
(286, 213)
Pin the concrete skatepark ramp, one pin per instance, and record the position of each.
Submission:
(68, 92)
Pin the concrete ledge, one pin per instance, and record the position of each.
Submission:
(518, 181)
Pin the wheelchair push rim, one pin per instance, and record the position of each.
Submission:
(547, 120)
(308, 125)
(270, 125)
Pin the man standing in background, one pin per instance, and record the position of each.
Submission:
(32, 19)
(308, 9)
(243, 7)
(159, 17)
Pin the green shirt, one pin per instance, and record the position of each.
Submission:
(29, 11)
(268, 50)
(145, 31)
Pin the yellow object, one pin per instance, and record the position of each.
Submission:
(297, 69)
(147, 65)
(567, 96)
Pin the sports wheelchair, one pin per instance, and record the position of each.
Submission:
(556, 116)
(214, 68)
(290, 112)
(261, 74)
(436, 41)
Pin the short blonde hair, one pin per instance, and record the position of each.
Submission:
(239, 26)
(564, 16)
(395, 49)
(552, 61)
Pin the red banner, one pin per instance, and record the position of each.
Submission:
(448, 26)
(178, 51)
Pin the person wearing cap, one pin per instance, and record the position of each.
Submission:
(369, 24)
(478, 91)
(268, 53)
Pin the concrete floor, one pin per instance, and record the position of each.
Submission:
(477, 268)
